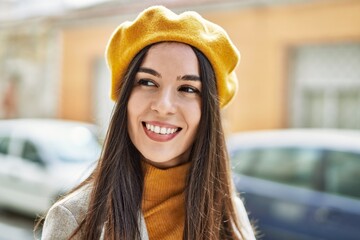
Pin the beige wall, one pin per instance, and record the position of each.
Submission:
(264, 36)
(81, 47)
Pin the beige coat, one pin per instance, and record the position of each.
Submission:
(65, 216)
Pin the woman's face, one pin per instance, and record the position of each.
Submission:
(164, 108)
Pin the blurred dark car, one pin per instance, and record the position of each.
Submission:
(42, 159)
(299, 184)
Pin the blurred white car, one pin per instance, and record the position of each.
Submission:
(42, 159)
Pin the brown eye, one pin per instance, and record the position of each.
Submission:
(146, 82)
(189, 89)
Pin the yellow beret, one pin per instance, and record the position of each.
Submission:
(159, 24)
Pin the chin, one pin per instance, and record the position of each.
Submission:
(161, 160)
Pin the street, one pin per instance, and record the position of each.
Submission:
(15, 227)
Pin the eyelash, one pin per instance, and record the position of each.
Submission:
(187, 88)
(183, 88)
(145, 82)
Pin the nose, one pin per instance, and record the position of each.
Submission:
(164, 102)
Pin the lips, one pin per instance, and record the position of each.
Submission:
(160, 132)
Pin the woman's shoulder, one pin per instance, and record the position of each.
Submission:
(66, 214)
(76, 202)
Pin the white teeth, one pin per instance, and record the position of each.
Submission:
(160, 130)
(163, 131)
(157, 129)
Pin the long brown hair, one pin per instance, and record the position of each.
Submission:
(117, 182)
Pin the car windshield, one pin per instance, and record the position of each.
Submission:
(78, 144)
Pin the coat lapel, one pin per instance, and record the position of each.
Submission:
(143, 231)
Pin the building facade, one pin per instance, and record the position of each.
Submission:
(299, 67)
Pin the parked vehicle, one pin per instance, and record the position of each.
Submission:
(299, 184)
(42, 159)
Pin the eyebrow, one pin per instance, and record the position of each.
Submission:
(150, 71)
(189, 78)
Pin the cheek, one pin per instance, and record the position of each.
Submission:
(133, 100)
(135, 103)
(194, 116)
(133, 108)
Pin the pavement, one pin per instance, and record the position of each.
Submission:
(14, 226)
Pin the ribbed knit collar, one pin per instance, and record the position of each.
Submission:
(161, 184)
(163, 201)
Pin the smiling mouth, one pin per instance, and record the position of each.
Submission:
(160, 130)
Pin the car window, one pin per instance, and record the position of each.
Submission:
(291, 166)
(78, 144)
(4, 145)
(342, 174)
(30, 152)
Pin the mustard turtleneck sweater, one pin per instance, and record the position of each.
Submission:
(163, 201)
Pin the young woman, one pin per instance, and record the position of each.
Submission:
(164, 170)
